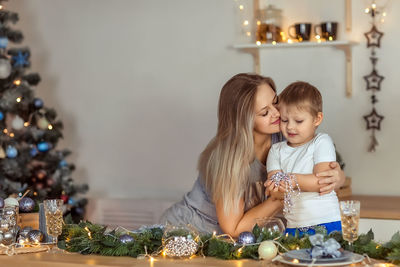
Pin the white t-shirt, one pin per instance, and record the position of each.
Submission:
(309, 208)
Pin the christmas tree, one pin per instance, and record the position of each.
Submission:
(29, 131)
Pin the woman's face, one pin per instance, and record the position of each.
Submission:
(266, 119)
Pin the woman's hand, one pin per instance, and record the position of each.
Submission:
(331, 179)
(274, 192)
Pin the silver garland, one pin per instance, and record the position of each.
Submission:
(180, 246)
(291, 190)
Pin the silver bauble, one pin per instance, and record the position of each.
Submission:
(24, 232)
(5, 68)
(8, 238)
(4, 226)
(35, 236)
(17, 123)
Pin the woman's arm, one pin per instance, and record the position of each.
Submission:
(238, 221)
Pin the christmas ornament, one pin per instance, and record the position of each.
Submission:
(290, 190)
(38, 103)
(373, 37)
(35, 236)
(33, 152)
(11, 202)
(71, 201)
(24, 232)
(267, 250)
(43, 146)
(373, 80)
(5, 68)
(11, 152)
(1, 203)
(1, 116)
(2, 153)
(26, 204)
(17, 123)
(8, 238)
(180, 246)
(271, 225)
(43, 123)
(125, 239)
(246, 238)
(21, 59)
(64, 198)
(63, 163)
(3, 42)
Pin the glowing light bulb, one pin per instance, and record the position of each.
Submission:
(258, 22)
(289, 41)
(11, 134)
(295, 261)
(330, 38)
(50, 127)
(248, 33)
(366, 10)
(1, 7)
(317, 37)
(246, 22)
(26, 124)
(18, 99)
(5, 131)
(373, 5)
(273, 43)
(258, 43)
(17, 82)
(241, 7)
(384, 14)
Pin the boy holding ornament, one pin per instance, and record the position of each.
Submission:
(304, 153)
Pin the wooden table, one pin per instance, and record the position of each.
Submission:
(45, 259)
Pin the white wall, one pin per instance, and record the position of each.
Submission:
(137, 83)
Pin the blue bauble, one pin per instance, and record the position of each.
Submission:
(34, 151)
(26, 204)
(38, 103)
(3, 42)
(1, 203)
(246, 238)
(63, 163)
(125, 239)
(1, 116)
(43, 146)
(71, 201)
(11, 152)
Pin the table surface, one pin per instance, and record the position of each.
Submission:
(45, 259)
(378, 207)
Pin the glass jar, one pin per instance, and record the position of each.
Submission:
(269, 25)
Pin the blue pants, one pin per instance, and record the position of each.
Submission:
(330, 227)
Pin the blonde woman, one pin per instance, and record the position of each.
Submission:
(228, 195)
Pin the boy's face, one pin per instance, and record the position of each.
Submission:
(298, 125)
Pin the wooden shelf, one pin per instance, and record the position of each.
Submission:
(296, 44)
(345, 46)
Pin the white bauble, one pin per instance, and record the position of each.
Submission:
(17, 123)
(5, 68)
(10, 202)
(43, 123)
(2, 153)
(267, 250)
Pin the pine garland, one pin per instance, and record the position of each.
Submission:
(88, 238)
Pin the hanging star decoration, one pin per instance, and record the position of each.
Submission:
(373, 37)
(373, 120)
(374, 80)
(21, 59)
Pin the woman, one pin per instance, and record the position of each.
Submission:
(228, 195)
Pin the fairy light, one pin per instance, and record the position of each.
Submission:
(258, 43)
(319, 41)
(273, 43)
(11, 135)
(317, 37)
(1, 7)
(50, 127)
(17, 82)
(18, 99)
(241, 7)
(246, 22)
(248, 33)
(258, 22)
(330, 38)
(297, 248)
(89, 233)
(35, 193)
(26, 124)
(295, 261)
(373, 6)
(366, 10)
(384, 14)
(283, 36)
(290, 41)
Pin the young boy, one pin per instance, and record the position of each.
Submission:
(304, 152)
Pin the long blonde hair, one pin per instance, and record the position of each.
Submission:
(224, 164)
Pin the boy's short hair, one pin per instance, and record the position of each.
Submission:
(302, 95)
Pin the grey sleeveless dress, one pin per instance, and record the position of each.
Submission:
(197, 209)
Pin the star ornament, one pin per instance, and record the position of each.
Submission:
(373, 120)
(374, 80)
(373, 37)
(21, 59)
